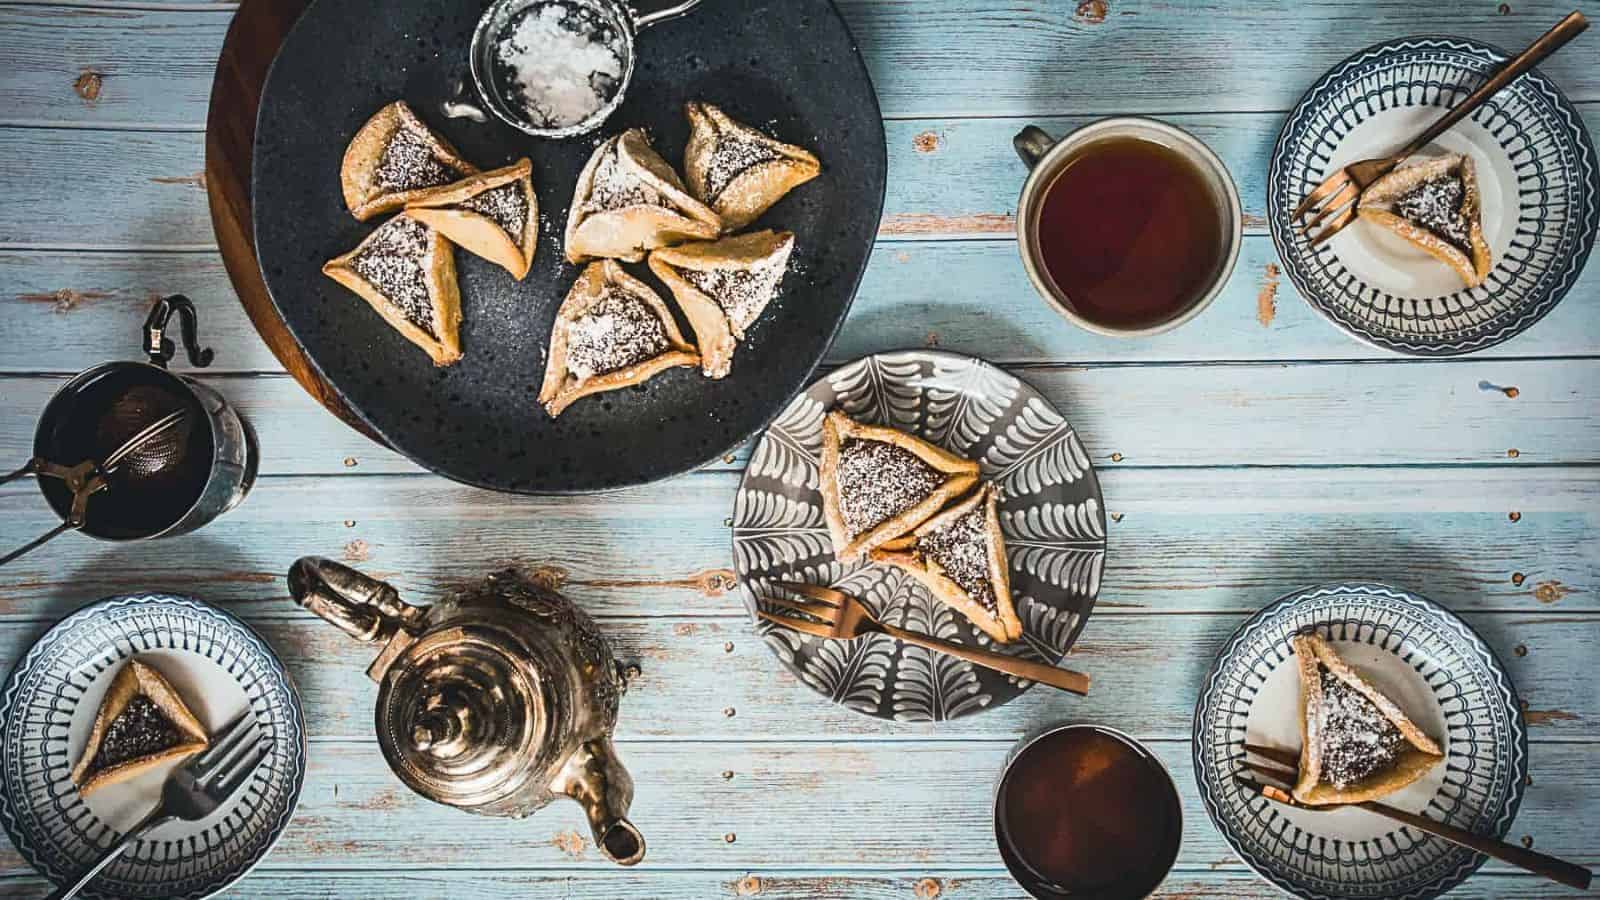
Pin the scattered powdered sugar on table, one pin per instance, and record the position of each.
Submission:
(1357, 738)
(878, 481)
(566, 61)
(617, 332)
(962, 551)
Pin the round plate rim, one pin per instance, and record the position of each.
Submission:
(25, 661)
(1277, 217)
(1200, 731)
(750, 600)
(792, 390)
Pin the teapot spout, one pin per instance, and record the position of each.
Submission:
(596, 779)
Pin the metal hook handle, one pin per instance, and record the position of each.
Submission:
(642, 21)
(159, 347)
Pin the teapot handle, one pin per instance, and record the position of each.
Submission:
(365, 608)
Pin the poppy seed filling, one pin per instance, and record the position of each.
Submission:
(741, 293)
(961, 549)
(878, 481)
(1356, 738)
(732, 155)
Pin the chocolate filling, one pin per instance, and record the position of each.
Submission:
(619, 331)
(878, 481)
(408, 164)
(392, 262)
(730, 156)
(1357, 739)
(962, 550)
(141, 729)
(506, 206)
(1436, 206)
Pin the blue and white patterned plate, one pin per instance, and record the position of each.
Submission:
(1536, 169)
(1050, 513)
(1446, 679)
(48, 704)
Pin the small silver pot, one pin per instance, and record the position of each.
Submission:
(617, 16)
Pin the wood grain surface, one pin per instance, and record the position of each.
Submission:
(1253, 451)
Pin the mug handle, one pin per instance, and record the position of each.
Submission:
(641, 21)
(159, 347)
(1032, 144)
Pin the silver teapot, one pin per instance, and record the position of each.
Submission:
(497, 699)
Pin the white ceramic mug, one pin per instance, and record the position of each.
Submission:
(1046, 157)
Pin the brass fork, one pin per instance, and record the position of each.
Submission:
(1336, 196)
(1275, 784)
(839, 615)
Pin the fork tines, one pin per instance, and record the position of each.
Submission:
(1336, 196)
(230, 757)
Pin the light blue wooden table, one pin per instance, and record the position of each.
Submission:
(1253, 451)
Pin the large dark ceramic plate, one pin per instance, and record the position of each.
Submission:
(788, 66)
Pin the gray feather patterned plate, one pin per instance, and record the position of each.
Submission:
(1050, 512)
(220, 667)
(1437, 669)
(1536, 172)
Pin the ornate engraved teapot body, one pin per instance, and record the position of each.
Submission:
(497, 699)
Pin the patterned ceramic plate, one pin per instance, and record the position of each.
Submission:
(1536, 169)
(1446, 679)
(221, 668)
(1050, 513)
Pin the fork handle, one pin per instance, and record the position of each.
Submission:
(157, 816)
(1548, 43)
(1065, 679)
(1521, 857)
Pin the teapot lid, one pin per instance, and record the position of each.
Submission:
(461, 718)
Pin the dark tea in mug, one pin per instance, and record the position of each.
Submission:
(1131, 232)
(1086, 812)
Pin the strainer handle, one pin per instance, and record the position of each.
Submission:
(665, 13)
(159, 347)
(41, 539)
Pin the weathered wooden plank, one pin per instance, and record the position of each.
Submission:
(948, 178)
(71, 310)
(909, 804)
(941, 58)
(1177, 415)
(1246, 536)
(767, 883)
(713, 678)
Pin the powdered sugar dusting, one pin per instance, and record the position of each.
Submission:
(506, 206)
(962, 550)
(1356, 738)
(566, 60)
(878, 481)
(614, 187)
(742, 293)
(732, 155)
(392, 262)
(1436, 206)
(620, 330)
(407, 164)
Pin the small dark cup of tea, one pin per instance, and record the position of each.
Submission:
(1127, 226)
(1088, 813)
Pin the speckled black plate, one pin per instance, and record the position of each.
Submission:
(788, 66)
